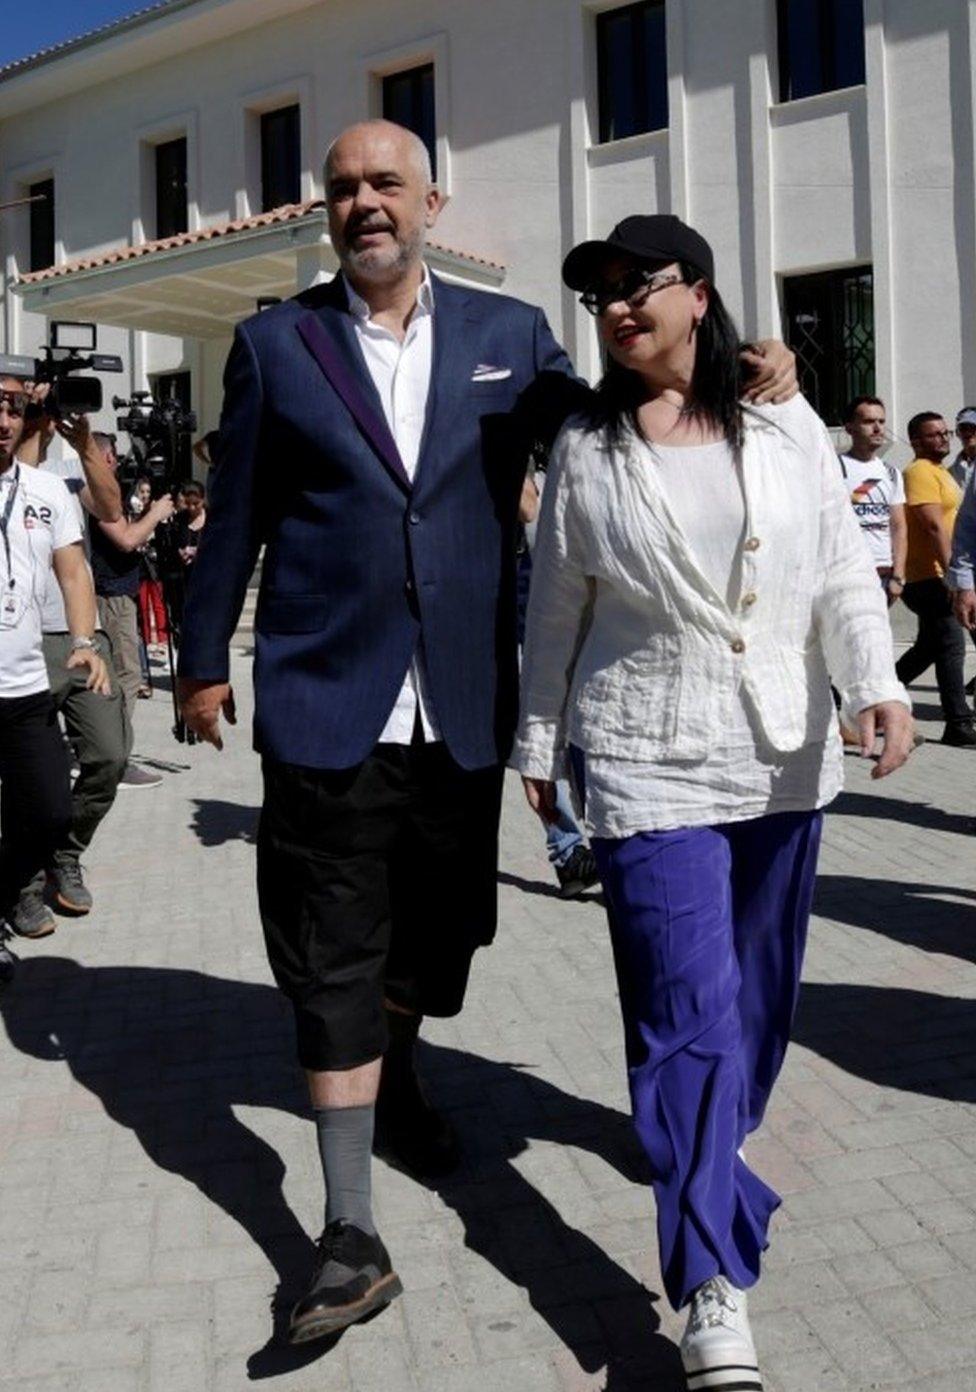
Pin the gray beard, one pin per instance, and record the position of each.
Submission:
(363, 264)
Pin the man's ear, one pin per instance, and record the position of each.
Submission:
(434, 201)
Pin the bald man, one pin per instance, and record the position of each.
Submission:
(375, 436)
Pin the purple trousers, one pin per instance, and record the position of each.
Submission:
(708, 926)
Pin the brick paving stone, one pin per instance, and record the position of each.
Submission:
(159, 1180)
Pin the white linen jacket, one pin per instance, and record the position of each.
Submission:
(629, 649)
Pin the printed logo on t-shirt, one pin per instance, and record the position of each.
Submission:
(873, 513)
(34, 515)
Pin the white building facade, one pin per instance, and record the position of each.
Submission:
(826, 148)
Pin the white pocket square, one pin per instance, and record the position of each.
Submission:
(485, 372)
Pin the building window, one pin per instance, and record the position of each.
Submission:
(42, 225)
(830, 327)
(171, 210)
(408, 99)
(281, 157)
(632, 70)
(821, 46)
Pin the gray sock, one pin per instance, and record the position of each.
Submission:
(346, 1148)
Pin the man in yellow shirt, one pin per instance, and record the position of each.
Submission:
(933, 497)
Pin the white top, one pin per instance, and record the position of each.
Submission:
(875, 488)
(633, 653)
(401, 374)
(43, 520)
(69, 470)
(742, 775)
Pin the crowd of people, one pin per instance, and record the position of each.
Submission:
(88, 672)
(640, 595)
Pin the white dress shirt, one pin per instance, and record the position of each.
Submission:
(655, 668)
(401, 374)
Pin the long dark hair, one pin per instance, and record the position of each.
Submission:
(716, 382)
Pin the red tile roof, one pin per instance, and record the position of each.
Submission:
(290, 212)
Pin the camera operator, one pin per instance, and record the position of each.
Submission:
(39, 528)
(96, 726)
(117, 568)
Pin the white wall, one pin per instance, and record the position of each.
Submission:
(836, 180)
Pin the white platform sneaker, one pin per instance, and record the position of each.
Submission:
(717, 1349)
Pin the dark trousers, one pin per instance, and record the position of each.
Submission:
(940, 640)
(98, 727)
(35, 801)
(375, 882)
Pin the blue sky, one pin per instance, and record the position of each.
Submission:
(27, 28)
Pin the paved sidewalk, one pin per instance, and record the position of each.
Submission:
(159, 1177)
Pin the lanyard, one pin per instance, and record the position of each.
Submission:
(5, 524)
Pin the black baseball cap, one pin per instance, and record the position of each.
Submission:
(654, 237)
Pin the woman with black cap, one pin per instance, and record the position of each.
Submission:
(698, 573)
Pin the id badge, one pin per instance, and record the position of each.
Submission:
(12, 608)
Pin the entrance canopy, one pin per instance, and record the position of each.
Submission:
(200, 284)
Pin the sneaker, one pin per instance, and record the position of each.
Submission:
(144, 693)
(30, 917)
(717, 1349)
(577, 874)
(135, 777)
(961, 734)
(69, 886)
(351, 1279)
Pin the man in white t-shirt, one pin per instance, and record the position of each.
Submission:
(877, 492)
(38, 530)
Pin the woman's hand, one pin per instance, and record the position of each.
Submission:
(541, 796)
(894, 723)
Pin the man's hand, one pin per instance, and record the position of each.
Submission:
(76, 429)
(964, 608)
(162, 509)
(201, 704)
(893, 722)
(770, 368)
(99, 680)
(541, 796)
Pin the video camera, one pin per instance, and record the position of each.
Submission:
(155, 428)
(72, 349)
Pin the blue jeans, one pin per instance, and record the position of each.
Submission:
(562, 836)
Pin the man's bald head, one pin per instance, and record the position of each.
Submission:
(381, 201)
(394, 136)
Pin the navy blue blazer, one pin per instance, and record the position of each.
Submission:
(360, 565)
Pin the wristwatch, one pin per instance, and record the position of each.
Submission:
(86, 645)
(897, 580)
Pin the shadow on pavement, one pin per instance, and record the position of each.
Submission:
(911, 1040)
(917, 814)
(170, 1053)
(913, 914)
(215, 821)
(545, 889)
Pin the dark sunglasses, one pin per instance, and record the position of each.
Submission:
(632, 289)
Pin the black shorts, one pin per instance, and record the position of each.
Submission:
(376, 881)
